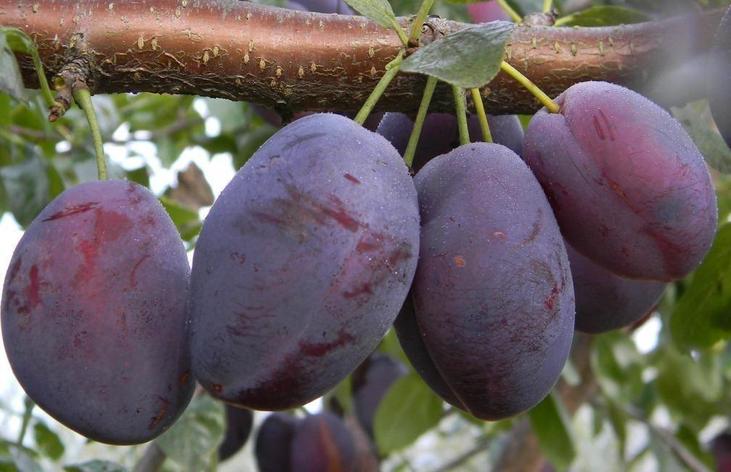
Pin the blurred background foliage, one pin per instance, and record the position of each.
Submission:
(652, 397)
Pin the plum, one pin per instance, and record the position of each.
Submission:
(371, 381)
(629, 188)
(493, 299)
(238, 428)
(273, 449)
(606, 301)
(302, 264)
(94, 314)
(719, 90)
(439, 134)
(483, 12)
(322, 443)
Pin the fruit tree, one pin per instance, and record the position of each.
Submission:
(360, 235)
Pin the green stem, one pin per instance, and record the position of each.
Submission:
(421, 15)
(531, 87)
(28, 46)
(27, 415)
(400, 32)
(547, 6)
(509, 10)
(83, 99)
(42, 81)
(431, 84)
(461, 111)
(481, 116)
(392, 69)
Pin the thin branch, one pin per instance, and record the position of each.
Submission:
(479, 447)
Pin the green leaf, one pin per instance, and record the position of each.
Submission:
(141, 175)
(701, 316)
(11, 81)
(697, 120)
(193, 438)
(247, 143)
(27, 187)
(186, 220)
(95, 466)
(408, 410)
(48, 441)
(603, 15)
(552, 427)
(618, 420)
(690, 388)
(468, 58)
(526, 7)
(379, 11)
(618, 366)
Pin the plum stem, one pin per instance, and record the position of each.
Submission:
(83, 99)
(509, 10)
(481, 116)
(461, 111)
(424, 9)
(531, 87)
(392, 69)
(431, 84)
(28, 46)
(547, 6)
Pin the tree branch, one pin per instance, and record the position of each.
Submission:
(292, 60)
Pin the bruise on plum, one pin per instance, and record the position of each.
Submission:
(314, 244)
(493, 302)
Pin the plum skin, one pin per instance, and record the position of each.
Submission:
(629, 188)
(238, 428)
(94, 317)
(606, 301)
(322, 442)
(370, 383)
(273, 448)
(314, 245)
(493, 299)
(439, 134)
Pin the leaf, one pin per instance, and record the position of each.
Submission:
(193, 438)
(95, 466)
(701, 316)
(48, 441)
(11, 81)
(551, 425)
(186, 220)
(408, 410)
(697, 121)
(618, 420)
(27, 187)
(603, 15)
(525, 7)
(379, 11)
(468, 58)
(690, 388)
(618, 366)
(248, 142)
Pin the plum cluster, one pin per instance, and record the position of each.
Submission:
(485, 261)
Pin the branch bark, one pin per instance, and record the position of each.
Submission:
(294, 61)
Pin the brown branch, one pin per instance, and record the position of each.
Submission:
(295, 60)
